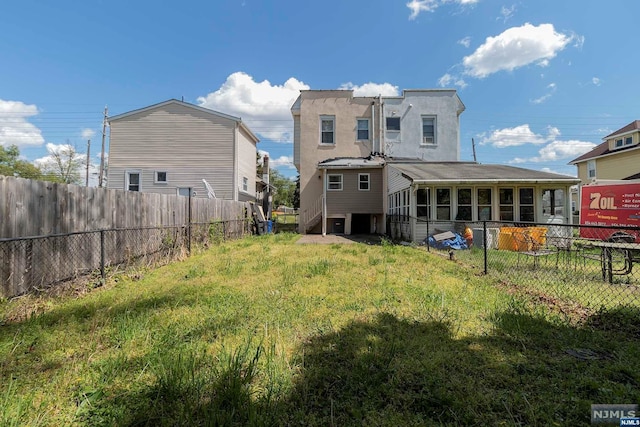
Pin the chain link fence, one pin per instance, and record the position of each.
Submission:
(36, 263)
(594, 266)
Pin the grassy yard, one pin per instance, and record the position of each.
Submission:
(262, 331)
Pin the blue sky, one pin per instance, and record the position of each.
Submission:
(542, 81)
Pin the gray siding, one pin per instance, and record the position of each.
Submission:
(352, 200)
(189, 144)
(246, 166)
(396, 181)
(296, 141)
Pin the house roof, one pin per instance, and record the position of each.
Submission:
(352, 163)
(634, 125)
(603, 149)
(471, 173)
(188, 105)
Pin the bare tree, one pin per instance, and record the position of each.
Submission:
(63, 163)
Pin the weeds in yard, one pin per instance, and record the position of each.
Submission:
(365, 335)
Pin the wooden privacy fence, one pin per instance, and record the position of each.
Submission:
(39, 208)
(55, 232)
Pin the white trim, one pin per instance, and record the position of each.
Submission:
(157, 181)
(368, 138)
(329, 182)
(127, 173)
(245, 184)
(368, 175)
(434, 138)
(332, 118)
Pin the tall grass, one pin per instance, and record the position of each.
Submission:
(267, 332)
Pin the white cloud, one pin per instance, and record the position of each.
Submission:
(88, 133)
(371, 89)
(596, 81)
(551, 89)
(264, 107)
(515, 136)
(282, 161)
(15, 128)
(514, 48)
(559, 150)
(506, 13)
(448, 80)
(466, 42)
(419, 6)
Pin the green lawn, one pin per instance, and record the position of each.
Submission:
(262, 331)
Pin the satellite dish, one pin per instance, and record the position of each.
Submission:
(210, 193)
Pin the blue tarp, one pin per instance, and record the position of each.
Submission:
(457, 242)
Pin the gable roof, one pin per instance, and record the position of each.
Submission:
(602, 150)
(238, 120)
(634, 125)
(471, 172)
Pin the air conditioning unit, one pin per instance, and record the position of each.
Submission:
(427, 140)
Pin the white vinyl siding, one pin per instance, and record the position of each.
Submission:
(188, 144)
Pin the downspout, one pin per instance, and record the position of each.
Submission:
(324, 202)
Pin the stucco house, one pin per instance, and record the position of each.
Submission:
(363, 160)
(171, 147)
(618, 157)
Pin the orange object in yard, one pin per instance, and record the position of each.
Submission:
(538, 235)
(468, 236)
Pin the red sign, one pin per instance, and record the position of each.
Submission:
(610, 204)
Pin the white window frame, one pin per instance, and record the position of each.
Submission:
(245, 184)
(434, 140)
(329, 183)
(386, 123)
(367, 181)
(467, 205)
(531, 205)
(332, 119)
(482, 207)
(127, 182)
(363, 119)
(619, 142)
(158, 181)
(504, 205)
(442, 205)
(427, 206)
(591, 167)
(628, 140)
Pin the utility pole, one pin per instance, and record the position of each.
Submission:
(88, 154)
(473, 145)
(104, 134)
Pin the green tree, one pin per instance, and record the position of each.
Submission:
(284, 188)
(11, 165)
(63, 164)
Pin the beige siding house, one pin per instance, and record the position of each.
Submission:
(618, 157)
(171, 147)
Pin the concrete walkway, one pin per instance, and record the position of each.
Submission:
(319, 239)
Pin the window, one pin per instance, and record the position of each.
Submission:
(484, 204)
(364, 181)
(423, 197)
(334, 182)
(443, 204)
(327, 129)
(405, 202)
(628, 140)
(464, 205)
(619, 142)
(526, 205)
(132, 181)
(428, 130)
(591, 169)
(160, 177)
(245, 183)
(363, 130)
(506, 204)
(393, 123)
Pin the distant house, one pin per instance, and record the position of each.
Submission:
(176, 148)
(618, 157)
(363, 160)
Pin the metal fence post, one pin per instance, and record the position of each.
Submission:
(484, 245)
(428, 246)
(102, 254)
